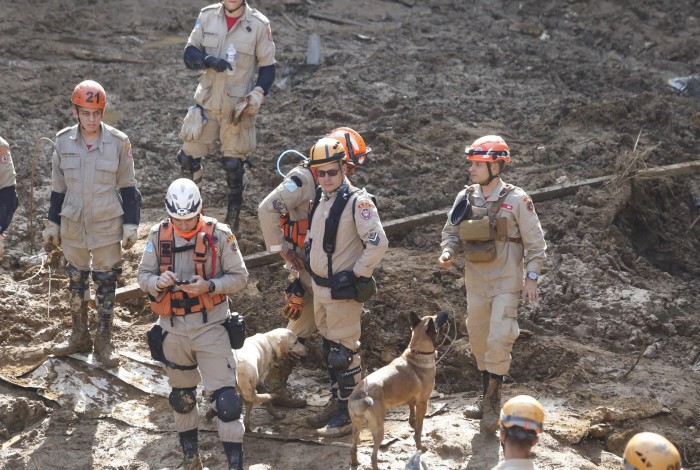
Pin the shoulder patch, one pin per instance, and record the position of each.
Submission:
(297, 180)
(291, 185)
(127, 149)
(529, 203)
(149, 247)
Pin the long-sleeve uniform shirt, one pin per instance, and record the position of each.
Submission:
(8, 179)
(505, 273)
(252, 38)
(91, 215)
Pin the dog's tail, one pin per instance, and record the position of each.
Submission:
(360, 403)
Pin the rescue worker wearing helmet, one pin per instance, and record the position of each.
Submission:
(283, 217)
(521, 422)
(8, 191)
(344, 244)
(230, 42)
(94, 213)
(496, 226)
(651, 451)
(190, 264)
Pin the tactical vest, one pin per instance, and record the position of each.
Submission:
(167, 302)
(330, 233)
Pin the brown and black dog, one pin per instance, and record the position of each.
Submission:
(407, 380)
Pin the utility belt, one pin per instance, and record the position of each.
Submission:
(342, 284)
(294, 230)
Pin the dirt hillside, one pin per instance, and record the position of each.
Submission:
(579, 90)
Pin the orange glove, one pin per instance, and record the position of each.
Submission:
(293, 300)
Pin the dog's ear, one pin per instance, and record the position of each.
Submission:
(414, 320)
(430, 328)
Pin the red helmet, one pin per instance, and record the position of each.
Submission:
(354, 143)
(89, 94)
(489, 148)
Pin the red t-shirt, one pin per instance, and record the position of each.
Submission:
(230, 22)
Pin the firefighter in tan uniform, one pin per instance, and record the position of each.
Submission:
(521, 422)
(497, 227)
(94, 206)
(283, 216)
(344, 244)
(189, 265)
(8, 191)
(230, 42)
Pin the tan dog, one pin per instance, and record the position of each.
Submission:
(407, 380)
(253, 363)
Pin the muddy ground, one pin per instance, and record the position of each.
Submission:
(578, 89)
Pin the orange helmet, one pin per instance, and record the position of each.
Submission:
(354, 143)
(490, 148)
(89, 94)
(327, 150)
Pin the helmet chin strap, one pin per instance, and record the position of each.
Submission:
(491, 175)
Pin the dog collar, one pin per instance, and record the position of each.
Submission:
(422, 352)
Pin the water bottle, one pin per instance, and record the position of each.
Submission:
(231, 58)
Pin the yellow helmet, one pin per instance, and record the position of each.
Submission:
(650, 451)
(524, 412)
(326, 150)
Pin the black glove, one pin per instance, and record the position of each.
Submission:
(217, 64)
(366, 287)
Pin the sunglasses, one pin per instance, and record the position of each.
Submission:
(331, 173)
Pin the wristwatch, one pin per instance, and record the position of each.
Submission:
(212, 286)
(533, 276)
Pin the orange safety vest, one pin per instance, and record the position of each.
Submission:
(168, 303)
(294, 230)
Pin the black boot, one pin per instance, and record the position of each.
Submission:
(340, 424)
(191, 168)
(234, 455)
(105, 293)
(235, 172)
(476, 410)
(189, 440)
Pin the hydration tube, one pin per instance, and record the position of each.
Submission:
(279, 159)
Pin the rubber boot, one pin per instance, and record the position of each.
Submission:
(276, 382)
(492, 406)
(189, 440)
(321, 419)
(235, 172)
(476, 410)
(234, 455)
(105, 293)
(79, 340)
(191, 168)
(340, 424)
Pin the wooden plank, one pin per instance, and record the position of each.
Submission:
(333, 19)
(398, 226)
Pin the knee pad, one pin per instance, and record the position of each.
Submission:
(183, 400)
(233, 165)
(106, 287)
(348, 378)
(228, 404)
(78, 280)
(339, 357)
(188, 163)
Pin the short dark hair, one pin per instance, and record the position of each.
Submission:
(520, 437)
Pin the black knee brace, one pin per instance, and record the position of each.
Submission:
(183, 400)
(339, 360)
(77, 280)
(105, 287)
(228, 404)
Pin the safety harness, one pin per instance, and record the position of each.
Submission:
(495, 209)
(169, 303)
(344, 194)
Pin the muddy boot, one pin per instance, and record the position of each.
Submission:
(235, 172)
(276, 382)
(340, 424)
(319, 420)
(476, 410)
(79, 340)
(105, 293)
(191, 168)
(492, 406)
(189, 440)
(234, 455)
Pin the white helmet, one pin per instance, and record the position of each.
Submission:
(183, 200)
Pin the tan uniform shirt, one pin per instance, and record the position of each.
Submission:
(516, 464)
(505, 273)
(289, 197)
(252, 38)
(361, 241)
(8, 177)
(91, 216)
(229, 277)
